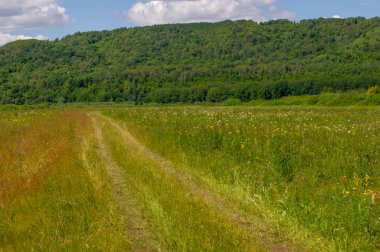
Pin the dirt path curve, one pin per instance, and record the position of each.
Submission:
(136, 226)
(242, 220)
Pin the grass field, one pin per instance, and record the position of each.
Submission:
(54, 191)
(190, 179)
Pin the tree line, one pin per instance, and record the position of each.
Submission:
(194, 62)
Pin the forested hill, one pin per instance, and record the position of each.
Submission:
(194, 62)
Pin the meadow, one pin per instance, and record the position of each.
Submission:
(311, 174)
(190, 179)
(54, 193)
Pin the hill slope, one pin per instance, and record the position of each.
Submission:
(194, 62)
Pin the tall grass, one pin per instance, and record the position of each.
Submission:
(311, 174)
(312, 170)
(179, 220)
(54, 194)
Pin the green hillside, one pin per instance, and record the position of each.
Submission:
(194, 62)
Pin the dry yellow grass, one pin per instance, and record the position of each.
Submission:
(49, 198)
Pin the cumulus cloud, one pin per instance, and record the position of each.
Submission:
(26, 14)
(6, 38)
(187, 11)
(337, 16)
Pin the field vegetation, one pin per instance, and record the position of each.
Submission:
(310, 173)
(190, 179)
(54, 193)
(370, 97)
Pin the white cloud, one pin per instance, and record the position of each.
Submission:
(337, 16)
(6, 38)
(187, 11)
(25, 14)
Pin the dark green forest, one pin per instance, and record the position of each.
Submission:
(194, 62)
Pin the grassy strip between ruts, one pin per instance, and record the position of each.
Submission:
(180, 220)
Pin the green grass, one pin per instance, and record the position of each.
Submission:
(310, 177)
(178, 219)
(313, 170)
(352, 98)
(54, 190)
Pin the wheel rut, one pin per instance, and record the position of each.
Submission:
(244, 221)
(136, 226)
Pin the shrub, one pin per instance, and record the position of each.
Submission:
(232, 102)
(374, 90)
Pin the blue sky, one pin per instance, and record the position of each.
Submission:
(50, 19)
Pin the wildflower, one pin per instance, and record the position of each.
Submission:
(368, 192)
(375, 197)
(346, 193)
(367, 178)
(356, 180)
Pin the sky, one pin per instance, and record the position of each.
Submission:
(50, 19)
